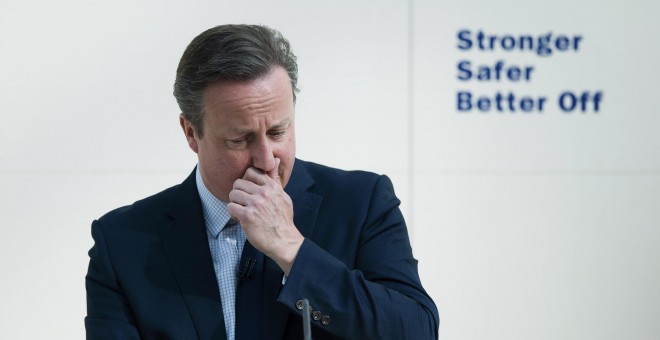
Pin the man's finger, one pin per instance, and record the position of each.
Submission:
(238, 196)
(247, 184)
(256, 176)
(236, 211)
(275, 171)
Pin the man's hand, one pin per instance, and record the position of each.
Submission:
(265, 212)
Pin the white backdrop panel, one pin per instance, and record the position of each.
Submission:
(540, 225)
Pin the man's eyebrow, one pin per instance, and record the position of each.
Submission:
(282, 124)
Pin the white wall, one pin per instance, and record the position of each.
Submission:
(539, 226)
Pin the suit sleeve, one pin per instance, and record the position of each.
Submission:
(108, 313)
(382, 296)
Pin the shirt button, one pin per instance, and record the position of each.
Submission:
(299, 304)
(325, 320)
(316, 315)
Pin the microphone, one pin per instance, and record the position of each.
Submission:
(246, 271)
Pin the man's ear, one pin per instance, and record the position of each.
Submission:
(189, 131)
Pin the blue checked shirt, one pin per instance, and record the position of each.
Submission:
(226, 240)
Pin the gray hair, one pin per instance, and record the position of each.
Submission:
(229, 52)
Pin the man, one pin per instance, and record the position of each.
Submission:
(232, 251)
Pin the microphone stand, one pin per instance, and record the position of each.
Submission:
(307, 325)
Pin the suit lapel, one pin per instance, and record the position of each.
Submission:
(186, 244)
(305, 203)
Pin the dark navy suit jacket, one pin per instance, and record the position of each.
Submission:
(151, 276)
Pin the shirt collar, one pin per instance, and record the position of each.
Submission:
(215, 210)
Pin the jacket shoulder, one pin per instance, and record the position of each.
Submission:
(149, 208)
(332, 178)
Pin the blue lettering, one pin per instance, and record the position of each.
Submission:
(464, 72)
(568, 101)
(464, 41)
(464, 101)
(567, 106)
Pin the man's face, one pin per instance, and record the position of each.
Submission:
(246, 124)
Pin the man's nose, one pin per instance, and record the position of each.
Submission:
(262, 155)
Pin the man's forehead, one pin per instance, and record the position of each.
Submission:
(257, 94)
